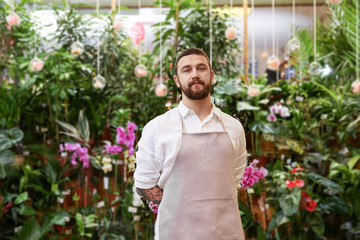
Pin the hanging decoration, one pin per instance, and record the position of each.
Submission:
(356, 84)
(265, 54)
(273, 62)
(99, 81)
(77, 48)
(137, 35)
(334, 1)
(253, 43)
(293, 44)
(117, 23)
(161, 89)
(36, 64)
(314, 68)
(230, 32)
(13, 19)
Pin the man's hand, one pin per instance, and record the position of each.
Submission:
(152, 194)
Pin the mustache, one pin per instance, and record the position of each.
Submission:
(196, 81)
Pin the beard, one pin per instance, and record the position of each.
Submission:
(196, 94)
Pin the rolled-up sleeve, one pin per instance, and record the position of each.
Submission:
(240, 156)
(148, 164)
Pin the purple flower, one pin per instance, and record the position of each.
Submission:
(252, 175)
(61, 148)
(131, 151)
(131, 126)
(121, 136)
(72, 147)
(271, 117)
(112, 149)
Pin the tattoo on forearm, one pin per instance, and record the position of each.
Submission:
(153, 194)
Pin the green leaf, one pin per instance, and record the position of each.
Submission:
(62, 94)
(264, 101)
(242, 106)
(27, 211)
(5, 143)
(22, 198)
(316, 223)
(289, 203)
(84, 127)
(277, 219)
(325, 182)
(16, 134)
(334, 204)
(351, 163)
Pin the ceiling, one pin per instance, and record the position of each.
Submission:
(149, 3)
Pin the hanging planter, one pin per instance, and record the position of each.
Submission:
(264, 55)
(77, 48)
(161, 90)
(230, 33)
(293, 44)
(273, 63)
(99, 82)
(314, 68)
(36, 64)
(13, 19)
(140, 70)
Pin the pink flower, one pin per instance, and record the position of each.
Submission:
(298, 169)
(61, 148)
(72, 147)
(121, 136)
(131, 151)
(153, 207)
(296, 183)
(284, 113)
(230, 33)
(253, 91)
(7, 207)
(13, 19)
(112, 149)
(131, 126)
(356, 86)
(271, 117)
(252, 175)
(137, 33)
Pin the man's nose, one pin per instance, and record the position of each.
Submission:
(195, 73)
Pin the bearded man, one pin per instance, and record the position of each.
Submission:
(191, 159)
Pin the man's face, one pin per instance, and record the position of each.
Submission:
(194, 76)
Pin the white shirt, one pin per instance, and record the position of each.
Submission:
(161, 140)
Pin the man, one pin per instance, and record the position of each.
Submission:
(191, 160)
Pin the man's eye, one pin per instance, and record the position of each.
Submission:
(186, 70)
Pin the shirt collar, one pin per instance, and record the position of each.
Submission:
(185, 110)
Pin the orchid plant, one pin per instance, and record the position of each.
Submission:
(255, 97)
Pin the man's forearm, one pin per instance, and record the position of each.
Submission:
(153, 194)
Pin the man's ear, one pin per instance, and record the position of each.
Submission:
(212, 77)
(176, 80)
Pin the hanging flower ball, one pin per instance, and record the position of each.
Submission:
(334, 1)
(293, 44)
(273, 63)
(117, 25)
(13, 19)
(230, 33)
(140, 71)
(99, 82)
(137, 33)
(36, 64)
(77, 48)
(356, 86)
(161, 90)
(264, 55)
(314, 68)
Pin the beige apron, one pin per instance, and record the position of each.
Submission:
(199, 201)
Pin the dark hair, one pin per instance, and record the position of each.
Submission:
(190, 51)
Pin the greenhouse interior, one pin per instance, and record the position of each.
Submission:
(91, 97)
